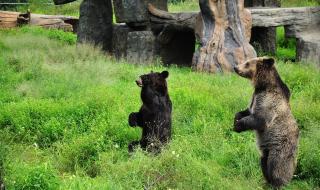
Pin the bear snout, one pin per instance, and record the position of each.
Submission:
(236, 69)
(139, 82)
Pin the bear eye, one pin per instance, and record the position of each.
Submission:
(247, 65)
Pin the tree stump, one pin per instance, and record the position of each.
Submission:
(223, 29)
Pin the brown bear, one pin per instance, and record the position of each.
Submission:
(154, 116)
(270, 116)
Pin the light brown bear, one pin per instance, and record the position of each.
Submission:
(270, 116)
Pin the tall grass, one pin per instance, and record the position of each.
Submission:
(63, 121)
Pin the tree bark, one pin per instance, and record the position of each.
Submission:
(14, 19)
(223, 31)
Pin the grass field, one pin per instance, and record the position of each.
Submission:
(63, 121)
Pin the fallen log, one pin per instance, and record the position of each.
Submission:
(299, 23)
(14, 19)
(8, 19)
(179, 21)
(263, 17)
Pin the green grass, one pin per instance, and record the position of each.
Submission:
(64, 110)
(286, 47)
(187, 5)
(299, 3)
(42, 7)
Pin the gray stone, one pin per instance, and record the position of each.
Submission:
(60, 2)
(263, 38)
(141, 47)
(134, 46)
(119, 40)
(308, 47)
(299, 16)
(95, 23)
(135, 11)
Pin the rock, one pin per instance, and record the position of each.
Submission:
(141, 47)
(134, 46)
(299, 16)
(308, 47)
(60, 2)
(134, 12)
(95, 23)
(119, 40)
(263, 38)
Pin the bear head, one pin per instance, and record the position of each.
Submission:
(155, 81)
(253, 67)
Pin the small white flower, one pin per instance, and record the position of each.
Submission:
(178, 155)
(151, 144)
(116, 146)
(35, 145)
(173, 152)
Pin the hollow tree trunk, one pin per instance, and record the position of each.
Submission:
(223, 30)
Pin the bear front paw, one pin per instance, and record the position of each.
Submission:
(237, 117)
(133, 120)
(238, 127)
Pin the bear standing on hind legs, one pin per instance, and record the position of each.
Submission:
(154, 116)
(270, 116)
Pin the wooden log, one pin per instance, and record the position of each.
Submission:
(8, 19)
(179, 21)
(224, 34)
(66, 23)
(266, 17)
(261, 17)
(14, 19)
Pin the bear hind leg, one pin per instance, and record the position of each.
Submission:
(264, 165)
(280, 170)
(133, 145)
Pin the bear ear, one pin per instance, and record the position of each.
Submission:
(268, 61)
(164, 74)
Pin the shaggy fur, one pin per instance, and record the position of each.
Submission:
(270, 116)
(154, 116)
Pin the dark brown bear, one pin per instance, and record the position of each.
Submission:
(270, 116)
(154, 116)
